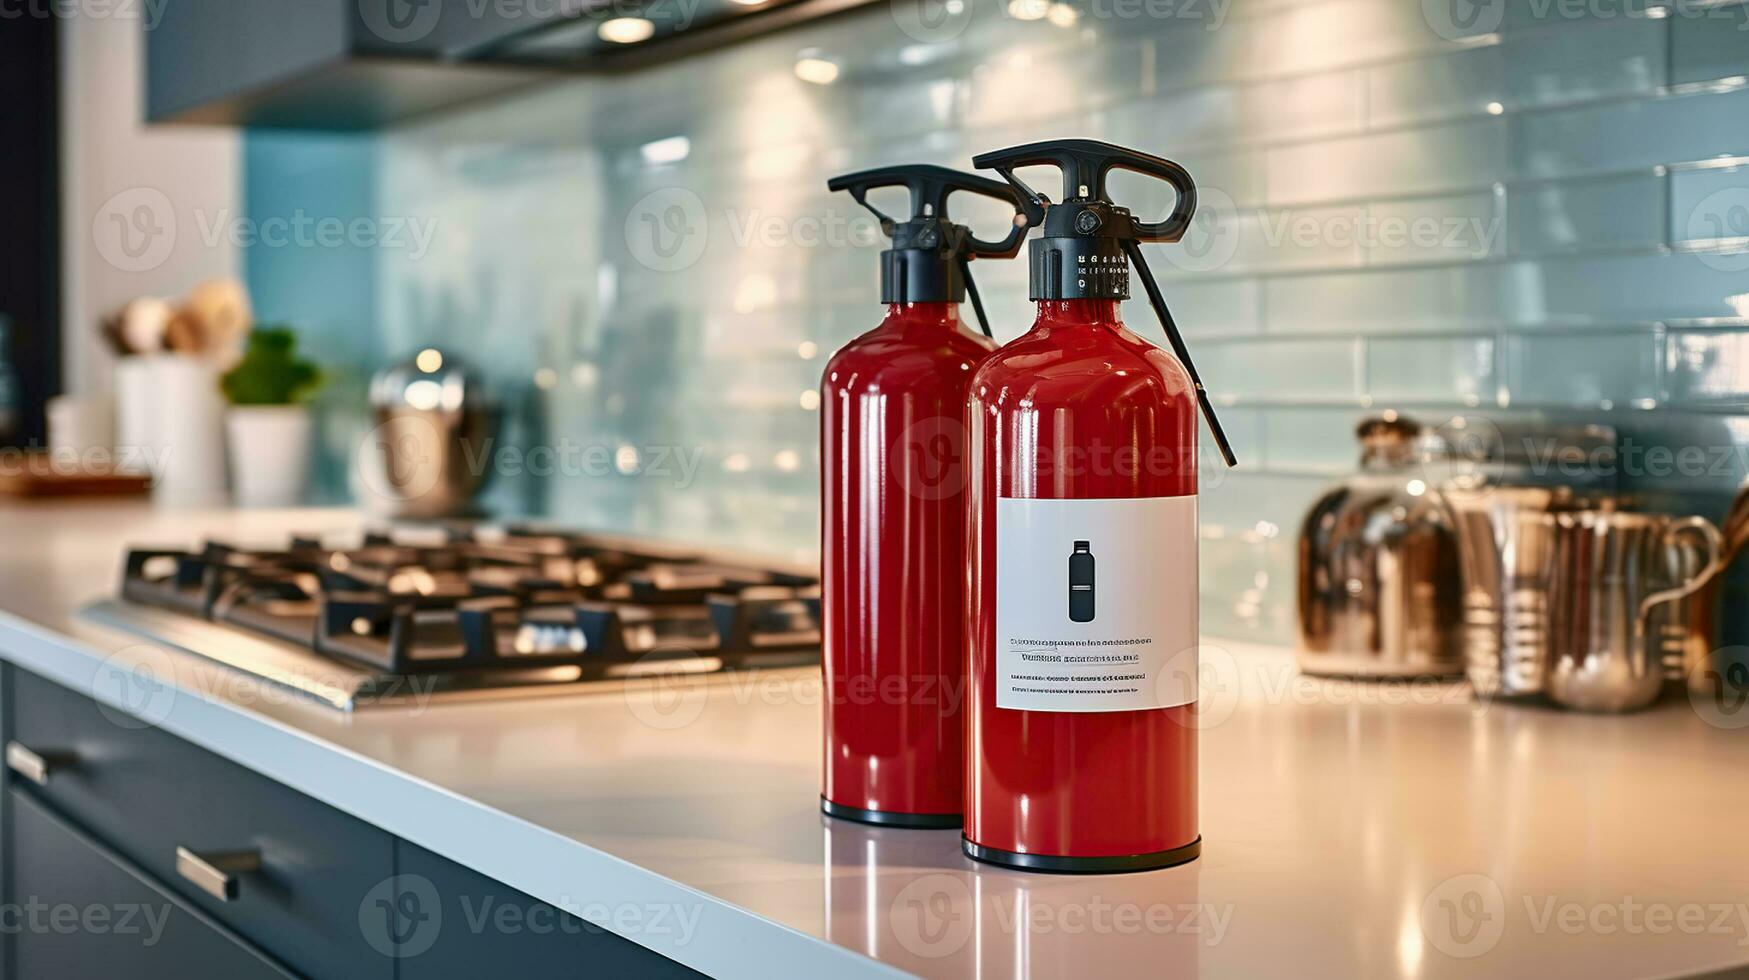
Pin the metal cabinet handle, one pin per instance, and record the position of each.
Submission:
(28, 764)
(216, 873)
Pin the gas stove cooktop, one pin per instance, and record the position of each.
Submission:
(464, 611)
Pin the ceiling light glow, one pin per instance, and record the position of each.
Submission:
(626, 30)
(814, 67)
(671, 150)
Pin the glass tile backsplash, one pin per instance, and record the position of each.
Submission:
(1517, 208)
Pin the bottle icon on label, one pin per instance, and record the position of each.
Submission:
(1081, 583)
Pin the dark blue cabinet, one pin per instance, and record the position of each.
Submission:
(152, 796)
(456, 924)
(81, 910)
(99, 809)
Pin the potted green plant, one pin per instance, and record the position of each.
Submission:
(268, 426)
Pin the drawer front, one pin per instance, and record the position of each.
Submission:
(84, 911)
(295, 871)
(484, 928)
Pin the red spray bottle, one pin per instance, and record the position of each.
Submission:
(892, 441)
(1081, 753)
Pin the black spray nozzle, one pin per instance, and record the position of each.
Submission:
(929, 260)
(930, 187)
(1085, 164)
(1088, 242)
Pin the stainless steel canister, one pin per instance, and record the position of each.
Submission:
(1506, 548)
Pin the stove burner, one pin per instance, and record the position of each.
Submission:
(490, 599)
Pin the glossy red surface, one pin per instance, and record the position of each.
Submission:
(1079, 407)
(893, 440)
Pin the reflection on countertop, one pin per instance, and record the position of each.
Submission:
(1352, 829)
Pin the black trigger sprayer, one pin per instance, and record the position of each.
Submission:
(893, 423)
(1085, 443)
(930, 258)
(1088, 243)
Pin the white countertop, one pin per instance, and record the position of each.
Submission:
(1349, 830)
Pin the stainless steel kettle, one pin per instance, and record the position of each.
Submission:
(429, 454)
(1378, 592)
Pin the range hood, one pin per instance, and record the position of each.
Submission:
(576, 42)
(364, 64)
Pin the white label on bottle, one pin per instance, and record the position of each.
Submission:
(1096, 603)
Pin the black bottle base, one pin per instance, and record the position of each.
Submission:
(1056, 864)
(890, 818)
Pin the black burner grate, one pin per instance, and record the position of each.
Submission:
(482, 599)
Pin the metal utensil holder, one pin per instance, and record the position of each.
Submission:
(1594, 609)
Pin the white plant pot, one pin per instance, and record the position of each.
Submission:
(270, 454)
(136, 414)
(184, 430)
